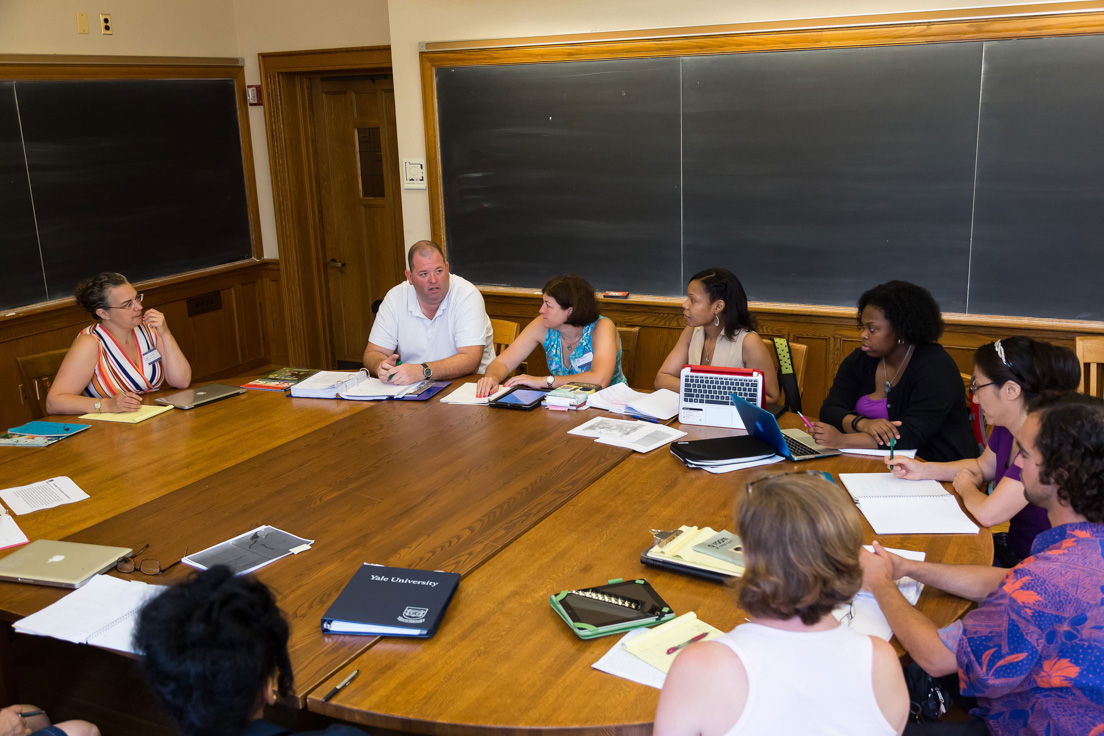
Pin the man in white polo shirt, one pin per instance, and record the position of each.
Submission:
(430, 326)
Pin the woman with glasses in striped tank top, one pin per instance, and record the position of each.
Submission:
(127, 352)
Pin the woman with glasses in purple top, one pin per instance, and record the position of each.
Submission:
(1008, 373)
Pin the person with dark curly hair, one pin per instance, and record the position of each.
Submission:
(1032, 652)
(579, 343)
(127, 352)
(1008, 374)
(719, 332)
(900, 384)
(214, 649)
(801, 537)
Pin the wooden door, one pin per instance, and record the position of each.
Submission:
(358, 165)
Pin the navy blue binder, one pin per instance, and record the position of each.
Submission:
(391, 601)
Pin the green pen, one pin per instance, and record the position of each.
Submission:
(397, 364)
(892, 442)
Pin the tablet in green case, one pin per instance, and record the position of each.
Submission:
(613, 608)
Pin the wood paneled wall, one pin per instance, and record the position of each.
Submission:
(247, 331)
(830, 333)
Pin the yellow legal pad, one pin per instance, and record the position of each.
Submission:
(146, 412)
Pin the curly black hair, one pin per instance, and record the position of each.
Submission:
(1071, 446)
(911, 310)
(209, 645)
(91, 293)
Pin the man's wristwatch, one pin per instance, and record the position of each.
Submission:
(549, 381)
(427, 371)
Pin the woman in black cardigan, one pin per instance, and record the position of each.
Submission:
(900, 384)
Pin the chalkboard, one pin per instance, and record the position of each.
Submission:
(975, 169)
(548, 164)
(143, 177)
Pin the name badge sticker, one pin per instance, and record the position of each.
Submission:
(151, 356)
(582, 363)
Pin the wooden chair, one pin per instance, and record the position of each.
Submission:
(37, 373)
(629, 337)
(505, 332)
(797, 356)
(1090, 354)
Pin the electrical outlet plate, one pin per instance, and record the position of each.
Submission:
(82, 23)
(105, 24)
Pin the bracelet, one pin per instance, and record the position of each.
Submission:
(855, 422)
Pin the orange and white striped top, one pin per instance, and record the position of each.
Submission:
(115, 372)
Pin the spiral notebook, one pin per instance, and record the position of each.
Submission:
(102, 614)
(896, 506)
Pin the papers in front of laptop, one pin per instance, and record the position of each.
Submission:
(43, 495)
(865, 616)
(620, 399)
(633, 435)
(10, 533)
(102, 613)
(877, 453)
(730, 467)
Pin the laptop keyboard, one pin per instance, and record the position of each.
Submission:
(715, 389)
(798, 449)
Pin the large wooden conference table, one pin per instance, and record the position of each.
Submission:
(506, 498)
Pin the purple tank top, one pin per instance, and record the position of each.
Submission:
(871, 409)
(1030, 520)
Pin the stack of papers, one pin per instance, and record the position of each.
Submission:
(896, 506)
(639, 436)
(620, 399)
(250, 551)
(372, 389)
(865, 616)
(101, 613)
(328, 384)
(645, 655)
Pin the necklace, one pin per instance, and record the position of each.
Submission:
(708, 357)
(569, 346)
(885, 373)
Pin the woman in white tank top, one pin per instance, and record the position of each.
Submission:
(793, 669)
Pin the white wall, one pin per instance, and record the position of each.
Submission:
(414, 21)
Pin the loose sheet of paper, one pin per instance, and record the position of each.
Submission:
(251, 551)
(44, 495)
(465, 395)
(620, 663)
(653, 436)
(146, 411)
(877, 453)
(10, 533)
(865, 616)
(742, 466)
(615, 397)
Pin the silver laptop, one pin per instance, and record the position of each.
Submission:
(194, 397)
(59, 564)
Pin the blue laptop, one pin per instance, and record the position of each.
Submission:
(792, 444)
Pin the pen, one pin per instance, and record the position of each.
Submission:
(807, 423)
(699, 637)
(340, 685)
(641, 417)
(31, 713)
(892, 442)
(397, 364)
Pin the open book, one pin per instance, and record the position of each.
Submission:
(101, 613)
(896, 506)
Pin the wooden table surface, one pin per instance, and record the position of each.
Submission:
(122, 466)
(503, 662)
(409, 484)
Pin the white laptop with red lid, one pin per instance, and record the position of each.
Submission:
(705, 394)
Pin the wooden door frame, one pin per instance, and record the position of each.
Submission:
(295, 191)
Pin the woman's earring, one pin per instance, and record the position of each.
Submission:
(716, 320)
(900, 341)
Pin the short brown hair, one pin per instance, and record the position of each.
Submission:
(577, 293)
(420, 248)
(801, 537)
(91, 293)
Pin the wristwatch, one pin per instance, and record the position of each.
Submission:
(97, 405)
(427, 371)
(550, 380)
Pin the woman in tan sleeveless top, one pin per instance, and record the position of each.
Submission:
(719, 331)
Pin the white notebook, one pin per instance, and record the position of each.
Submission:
(896, 506)
(102, 613)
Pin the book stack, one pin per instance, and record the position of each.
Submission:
(39, 434)
(281, 380)
(570, 395)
